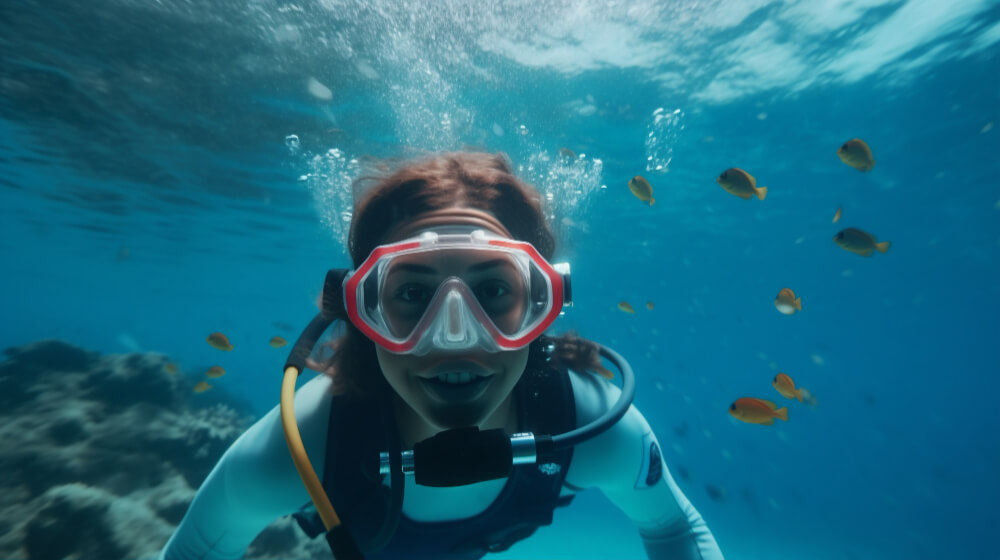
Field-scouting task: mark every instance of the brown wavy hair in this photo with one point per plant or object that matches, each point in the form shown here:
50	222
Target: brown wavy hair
474	180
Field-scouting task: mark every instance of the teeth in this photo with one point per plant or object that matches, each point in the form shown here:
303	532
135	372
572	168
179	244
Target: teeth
456	378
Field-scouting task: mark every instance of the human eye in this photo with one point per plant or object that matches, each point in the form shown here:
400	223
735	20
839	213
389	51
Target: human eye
412	293
492	291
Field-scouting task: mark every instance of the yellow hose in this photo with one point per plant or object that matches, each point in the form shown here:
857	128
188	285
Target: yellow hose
298	451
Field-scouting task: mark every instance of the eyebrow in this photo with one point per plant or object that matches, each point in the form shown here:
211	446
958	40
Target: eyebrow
424	269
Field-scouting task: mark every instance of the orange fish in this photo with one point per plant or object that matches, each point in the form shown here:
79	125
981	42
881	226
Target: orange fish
219	341
757	411
278	342
836	216
626	307
202	387
784	384
649	305
215	371
787	303
857	154
860	242
170	368
737	182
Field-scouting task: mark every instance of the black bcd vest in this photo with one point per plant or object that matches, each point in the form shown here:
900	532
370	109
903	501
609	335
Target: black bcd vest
357	434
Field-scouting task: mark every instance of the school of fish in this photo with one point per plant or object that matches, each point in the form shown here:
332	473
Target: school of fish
219	341
854	153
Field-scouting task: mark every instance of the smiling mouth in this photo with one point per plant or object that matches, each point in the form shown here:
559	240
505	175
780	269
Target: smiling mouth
456	387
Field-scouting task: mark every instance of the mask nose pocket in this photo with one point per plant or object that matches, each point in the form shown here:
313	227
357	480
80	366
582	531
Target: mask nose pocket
455	328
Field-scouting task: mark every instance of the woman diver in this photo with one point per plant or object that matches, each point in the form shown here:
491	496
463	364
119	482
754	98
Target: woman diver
443	353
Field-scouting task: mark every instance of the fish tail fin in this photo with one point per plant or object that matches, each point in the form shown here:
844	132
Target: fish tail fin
782	413
798	303
652	201
761	192
798	395
882	247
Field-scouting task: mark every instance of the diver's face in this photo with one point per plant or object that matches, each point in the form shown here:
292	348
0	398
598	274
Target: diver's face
454	388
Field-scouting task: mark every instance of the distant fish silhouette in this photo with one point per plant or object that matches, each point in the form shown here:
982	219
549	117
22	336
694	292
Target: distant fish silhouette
219	341
717	493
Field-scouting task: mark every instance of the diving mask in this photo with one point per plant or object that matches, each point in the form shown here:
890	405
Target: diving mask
455	288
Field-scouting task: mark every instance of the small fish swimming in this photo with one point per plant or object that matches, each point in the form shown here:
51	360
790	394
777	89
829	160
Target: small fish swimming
739	183
277	342
757	411
626	307
857	154
219	341
784	384
215	372
170	368
717	493
649	305
642	189
202	387
860	242
567	153
787	303
836	216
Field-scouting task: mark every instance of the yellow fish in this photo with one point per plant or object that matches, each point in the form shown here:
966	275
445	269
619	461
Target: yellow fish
626	307
757	411
642	189
649	305
215	371
857	154
836	216
277	342
784	384
219	341
202	387
737	182
860	242
170	368
787	303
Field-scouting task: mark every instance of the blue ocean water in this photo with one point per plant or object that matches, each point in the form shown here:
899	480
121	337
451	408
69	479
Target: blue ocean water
176	168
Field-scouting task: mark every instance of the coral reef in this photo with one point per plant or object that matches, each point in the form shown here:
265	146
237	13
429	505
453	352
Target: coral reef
103	454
